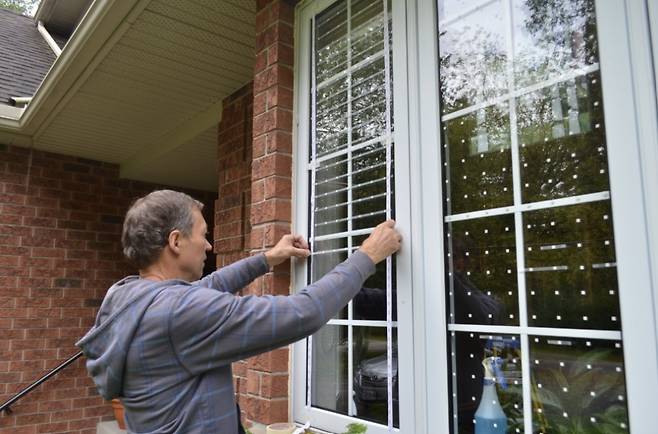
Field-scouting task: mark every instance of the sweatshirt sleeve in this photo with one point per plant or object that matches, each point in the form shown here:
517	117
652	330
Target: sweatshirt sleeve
236	276
209	329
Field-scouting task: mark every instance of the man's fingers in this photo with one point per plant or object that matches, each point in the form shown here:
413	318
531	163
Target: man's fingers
299	241
301	253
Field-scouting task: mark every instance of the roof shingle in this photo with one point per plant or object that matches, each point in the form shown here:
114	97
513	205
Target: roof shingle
25	57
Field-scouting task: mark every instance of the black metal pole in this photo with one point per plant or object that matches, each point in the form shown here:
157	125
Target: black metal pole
6	407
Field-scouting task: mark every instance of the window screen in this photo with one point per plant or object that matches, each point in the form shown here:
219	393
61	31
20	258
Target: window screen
352	361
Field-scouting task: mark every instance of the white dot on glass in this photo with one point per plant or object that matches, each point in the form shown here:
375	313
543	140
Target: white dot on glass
558	317
548	160
557	292
564	389
539	385
509	293
504	169
486	231
592	393
532	292
527	185
565	414
618	369
606	242
536	362
605	217
465	177
577	220
486	252
620	397
575	176
602	171
484	173
613	318
623	425
585	318
552	223
534	317
583	293
589	366
592	419
506	250
573	155
579	244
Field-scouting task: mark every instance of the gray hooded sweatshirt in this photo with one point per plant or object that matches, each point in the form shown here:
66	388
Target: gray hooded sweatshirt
165	348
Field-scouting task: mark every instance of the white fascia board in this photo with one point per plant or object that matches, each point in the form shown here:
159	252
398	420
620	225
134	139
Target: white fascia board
10	116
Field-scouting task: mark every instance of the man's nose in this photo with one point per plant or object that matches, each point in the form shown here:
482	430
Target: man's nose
208	246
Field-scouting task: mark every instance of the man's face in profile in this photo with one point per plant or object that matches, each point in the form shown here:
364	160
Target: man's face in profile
193	248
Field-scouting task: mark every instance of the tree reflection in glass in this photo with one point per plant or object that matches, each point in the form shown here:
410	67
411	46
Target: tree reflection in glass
571	274
476	148
482	271
577	386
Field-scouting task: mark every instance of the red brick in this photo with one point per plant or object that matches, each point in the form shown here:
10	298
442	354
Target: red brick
274	386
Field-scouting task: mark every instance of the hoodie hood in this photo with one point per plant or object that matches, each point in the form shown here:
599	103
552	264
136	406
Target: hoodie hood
106	345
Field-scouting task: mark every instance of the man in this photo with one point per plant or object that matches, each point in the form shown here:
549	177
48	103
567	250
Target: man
163	341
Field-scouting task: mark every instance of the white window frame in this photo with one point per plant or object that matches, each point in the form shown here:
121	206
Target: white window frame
629	65
302	413
626	109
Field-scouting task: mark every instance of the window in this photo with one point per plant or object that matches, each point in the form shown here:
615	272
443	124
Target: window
350	366
531	268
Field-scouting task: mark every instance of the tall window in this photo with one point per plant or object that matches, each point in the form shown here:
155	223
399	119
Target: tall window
531	277
351	363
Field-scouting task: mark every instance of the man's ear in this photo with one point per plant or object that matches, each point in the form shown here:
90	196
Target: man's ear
174	240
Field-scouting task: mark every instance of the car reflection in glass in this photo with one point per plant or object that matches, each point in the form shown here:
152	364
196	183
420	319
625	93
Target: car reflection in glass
370	386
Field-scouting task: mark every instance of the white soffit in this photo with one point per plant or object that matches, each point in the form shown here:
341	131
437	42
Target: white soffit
152	99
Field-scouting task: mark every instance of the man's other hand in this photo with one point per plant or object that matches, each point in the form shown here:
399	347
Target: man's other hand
382	242
288	246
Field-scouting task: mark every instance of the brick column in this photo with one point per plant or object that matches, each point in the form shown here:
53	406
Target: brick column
234	170
266	398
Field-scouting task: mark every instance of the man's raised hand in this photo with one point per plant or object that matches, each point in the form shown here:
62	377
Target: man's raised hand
287	247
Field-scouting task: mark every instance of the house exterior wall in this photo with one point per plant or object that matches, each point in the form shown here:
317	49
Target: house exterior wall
60	226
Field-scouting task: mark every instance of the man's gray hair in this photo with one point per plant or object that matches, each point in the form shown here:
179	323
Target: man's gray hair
151	219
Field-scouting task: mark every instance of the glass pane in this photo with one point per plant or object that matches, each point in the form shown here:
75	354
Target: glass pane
472	396
367	24
473	55
371	374
326	255
476	148
331	182
578	386
329	369
331	117
331	41
369	201
482	271
370	302
552	38
562	140
571	273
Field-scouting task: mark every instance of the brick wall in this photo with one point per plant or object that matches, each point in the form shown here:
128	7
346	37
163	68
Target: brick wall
267	374
59	252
